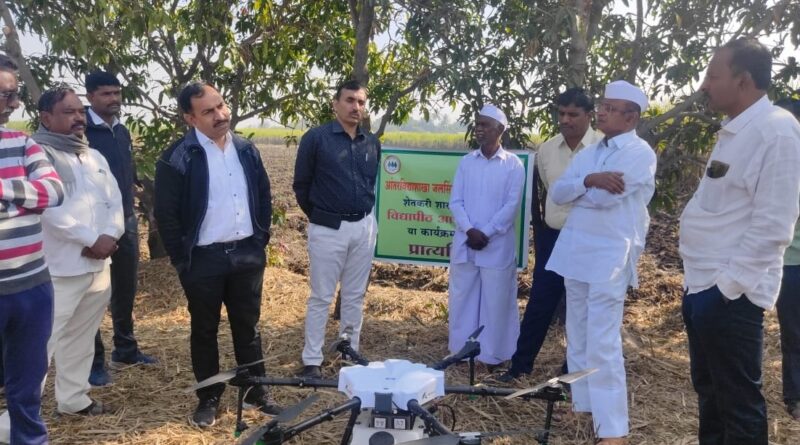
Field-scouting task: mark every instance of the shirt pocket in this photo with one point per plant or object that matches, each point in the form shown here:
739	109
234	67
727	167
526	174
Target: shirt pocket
367	158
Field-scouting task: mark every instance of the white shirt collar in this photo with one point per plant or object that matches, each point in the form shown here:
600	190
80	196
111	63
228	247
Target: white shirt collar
97	120
500	153
618	140
758	108
205	140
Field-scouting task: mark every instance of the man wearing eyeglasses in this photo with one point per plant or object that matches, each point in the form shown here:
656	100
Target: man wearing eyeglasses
28	185
609	185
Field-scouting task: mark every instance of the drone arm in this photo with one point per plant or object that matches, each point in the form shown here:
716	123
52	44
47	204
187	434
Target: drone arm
294	381
325	416
430	420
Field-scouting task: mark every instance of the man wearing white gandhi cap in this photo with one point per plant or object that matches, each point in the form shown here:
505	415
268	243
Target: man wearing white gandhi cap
609	185
485	198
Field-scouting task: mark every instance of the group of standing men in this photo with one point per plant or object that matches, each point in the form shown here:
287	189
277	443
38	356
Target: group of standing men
733	234
66	206
66	212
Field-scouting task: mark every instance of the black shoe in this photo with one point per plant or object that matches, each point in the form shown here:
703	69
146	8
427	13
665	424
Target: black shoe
205	415
259	397
793	408
493	368
311	372
508	376
95	408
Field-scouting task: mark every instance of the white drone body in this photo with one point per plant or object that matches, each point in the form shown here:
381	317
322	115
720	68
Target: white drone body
385	388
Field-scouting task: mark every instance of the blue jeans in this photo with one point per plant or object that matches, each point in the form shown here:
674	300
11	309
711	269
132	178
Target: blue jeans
547	291
725	348
26	320
789	319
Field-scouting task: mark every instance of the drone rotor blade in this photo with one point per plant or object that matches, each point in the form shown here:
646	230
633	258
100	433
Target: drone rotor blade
450	439
335	346
295	410
573	377
477	332
526	391
222	377
247	365
285	416
530	432
253	438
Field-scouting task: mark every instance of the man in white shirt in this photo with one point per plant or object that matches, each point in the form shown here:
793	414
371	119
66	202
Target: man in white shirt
575	110
609	185
485	198
733	233
78	238
214	209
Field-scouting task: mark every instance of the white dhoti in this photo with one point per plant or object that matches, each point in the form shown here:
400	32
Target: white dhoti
480	296
594	320
337	256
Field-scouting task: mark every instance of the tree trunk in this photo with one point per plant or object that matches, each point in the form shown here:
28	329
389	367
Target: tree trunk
146	204
363	18
14	51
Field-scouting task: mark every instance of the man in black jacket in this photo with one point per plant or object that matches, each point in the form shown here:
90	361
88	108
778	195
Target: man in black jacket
107	135
213	207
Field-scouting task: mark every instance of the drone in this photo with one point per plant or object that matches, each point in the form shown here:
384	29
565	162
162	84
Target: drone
389	401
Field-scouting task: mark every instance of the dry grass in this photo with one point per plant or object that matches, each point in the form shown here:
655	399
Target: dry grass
404	318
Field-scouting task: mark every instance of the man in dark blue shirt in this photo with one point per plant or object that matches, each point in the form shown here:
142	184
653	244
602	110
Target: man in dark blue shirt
107	135
334	182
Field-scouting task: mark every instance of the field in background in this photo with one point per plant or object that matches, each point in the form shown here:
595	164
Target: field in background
390	138
291	137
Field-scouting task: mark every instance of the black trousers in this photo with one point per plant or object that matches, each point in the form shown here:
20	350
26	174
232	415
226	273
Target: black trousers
725	349
547	291
219	274
124	274
789	319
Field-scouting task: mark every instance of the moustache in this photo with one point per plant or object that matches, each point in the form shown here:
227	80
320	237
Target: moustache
221	123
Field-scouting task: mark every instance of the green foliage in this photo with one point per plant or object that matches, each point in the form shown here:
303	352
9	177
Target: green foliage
280	60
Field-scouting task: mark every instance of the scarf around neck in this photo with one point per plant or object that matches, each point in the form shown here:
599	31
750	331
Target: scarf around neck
59	149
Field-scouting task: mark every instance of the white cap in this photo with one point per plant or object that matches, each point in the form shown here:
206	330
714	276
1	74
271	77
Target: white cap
495	113
621	89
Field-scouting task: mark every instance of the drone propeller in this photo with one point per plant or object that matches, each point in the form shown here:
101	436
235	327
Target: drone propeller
345	337
471	348
474	335
286	415
447	439
222	377
566	378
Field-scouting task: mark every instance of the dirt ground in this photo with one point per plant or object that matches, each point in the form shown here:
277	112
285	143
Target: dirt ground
405	317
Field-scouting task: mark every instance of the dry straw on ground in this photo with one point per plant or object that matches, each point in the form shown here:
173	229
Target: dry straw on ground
404	318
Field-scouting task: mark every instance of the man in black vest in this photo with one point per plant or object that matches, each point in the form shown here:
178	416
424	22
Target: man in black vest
107	135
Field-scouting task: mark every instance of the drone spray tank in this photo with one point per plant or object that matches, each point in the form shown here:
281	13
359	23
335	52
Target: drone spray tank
385	390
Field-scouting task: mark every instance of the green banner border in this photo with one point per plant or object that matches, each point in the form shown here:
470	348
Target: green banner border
524	218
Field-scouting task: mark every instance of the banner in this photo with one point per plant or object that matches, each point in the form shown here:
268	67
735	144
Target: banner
415	225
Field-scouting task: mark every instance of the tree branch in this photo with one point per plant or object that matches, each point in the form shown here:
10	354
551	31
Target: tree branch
14	51
424	77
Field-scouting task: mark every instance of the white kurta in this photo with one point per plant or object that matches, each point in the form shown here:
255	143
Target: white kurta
486	195
596	253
